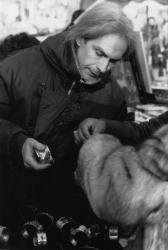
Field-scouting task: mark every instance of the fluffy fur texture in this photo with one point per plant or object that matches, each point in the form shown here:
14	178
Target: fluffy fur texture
124	184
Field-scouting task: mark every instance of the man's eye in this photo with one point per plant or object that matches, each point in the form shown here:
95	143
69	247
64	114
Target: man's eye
114	60
99	53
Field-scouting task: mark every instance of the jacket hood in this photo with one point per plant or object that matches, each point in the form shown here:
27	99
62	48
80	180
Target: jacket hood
60	54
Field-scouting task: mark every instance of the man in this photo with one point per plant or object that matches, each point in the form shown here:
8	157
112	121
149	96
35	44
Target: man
45	92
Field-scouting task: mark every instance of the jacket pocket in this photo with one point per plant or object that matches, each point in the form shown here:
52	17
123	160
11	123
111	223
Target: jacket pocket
51	105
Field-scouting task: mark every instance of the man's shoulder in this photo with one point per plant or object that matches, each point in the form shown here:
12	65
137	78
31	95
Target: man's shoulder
23	66
22	56
25	62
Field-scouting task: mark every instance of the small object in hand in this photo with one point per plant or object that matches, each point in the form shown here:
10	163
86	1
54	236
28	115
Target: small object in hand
44	156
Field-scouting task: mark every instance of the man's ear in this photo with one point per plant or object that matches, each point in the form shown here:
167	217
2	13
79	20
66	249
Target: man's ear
79	41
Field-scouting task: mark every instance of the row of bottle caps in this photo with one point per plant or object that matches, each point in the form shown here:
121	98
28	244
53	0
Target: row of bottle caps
66	230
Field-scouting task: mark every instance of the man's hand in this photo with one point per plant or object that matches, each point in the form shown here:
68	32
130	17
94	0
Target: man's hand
29	157
89	127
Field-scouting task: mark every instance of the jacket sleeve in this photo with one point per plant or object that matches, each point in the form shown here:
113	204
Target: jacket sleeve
11	135
133	133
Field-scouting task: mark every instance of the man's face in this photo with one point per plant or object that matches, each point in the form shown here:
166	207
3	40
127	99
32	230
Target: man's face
97	56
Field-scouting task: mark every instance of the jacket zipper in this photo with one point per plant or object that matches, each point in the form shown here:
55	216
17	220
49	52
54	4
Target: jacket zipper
70	89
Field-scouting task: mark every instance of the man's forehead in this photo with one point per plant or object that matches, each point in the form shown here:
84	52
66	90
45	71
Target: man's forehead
112	51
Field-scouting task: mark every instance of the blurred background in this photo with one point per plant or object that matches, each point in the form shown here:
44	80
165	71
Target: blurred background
37	17
42	17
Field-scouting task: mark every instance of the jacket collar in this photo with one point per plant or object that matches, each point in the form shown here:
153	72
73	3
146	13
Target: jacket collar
61	54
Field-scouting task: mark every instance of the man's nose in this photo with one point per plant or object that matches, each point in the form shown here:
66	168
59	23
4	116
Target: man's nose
104	66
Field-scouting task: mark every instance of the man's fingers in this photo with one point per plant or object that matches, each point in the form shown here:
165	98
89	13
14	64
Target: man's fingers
28	153
42	166
87	132
81	135
32	163
27	165
97	130
76	137
39	146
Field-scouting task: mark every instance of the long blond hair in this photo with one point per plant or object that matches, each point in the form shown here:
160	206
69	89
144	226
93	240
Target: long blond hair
102	19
